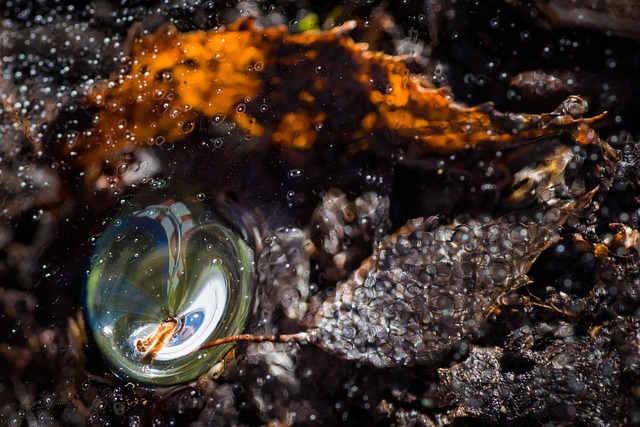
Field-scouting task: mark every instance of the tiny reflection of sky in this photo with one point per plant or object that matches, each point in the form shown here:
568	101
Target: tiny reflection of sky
200	318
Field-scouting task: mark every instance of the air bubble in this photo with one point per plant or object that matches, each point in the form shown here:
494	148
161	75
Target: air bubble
296	173
492	64
119	408
188	126
147	291
122	169
37	215
218	118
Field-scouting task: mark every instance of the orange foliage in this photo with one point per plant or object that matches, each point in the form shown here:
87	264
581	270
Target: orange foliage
309	81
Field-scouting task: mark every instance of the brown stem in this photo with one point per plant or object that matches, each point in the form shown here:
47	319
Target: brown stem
286	338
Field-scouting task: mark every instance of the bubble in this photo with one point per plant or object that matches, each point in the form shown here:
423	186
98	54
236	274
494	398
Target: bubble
296	173
37	214
469	78
218	118
122	169
218	143
159	270
188	126
492	64
119	408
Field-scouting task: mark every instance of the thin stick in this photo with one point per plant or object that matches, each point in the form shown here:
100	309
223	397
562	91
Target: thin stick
151	345
300	337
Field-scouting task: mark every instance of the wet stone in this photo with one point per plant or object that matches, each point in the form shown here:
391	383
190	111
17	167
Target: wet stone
532	379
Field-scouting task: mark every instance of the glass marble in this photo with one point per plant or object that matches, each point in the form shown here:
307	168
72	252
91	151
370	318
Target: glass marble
170	264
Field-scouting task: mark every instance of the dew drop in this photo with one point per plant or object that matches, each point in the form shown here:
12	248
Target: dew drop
296	173
133	275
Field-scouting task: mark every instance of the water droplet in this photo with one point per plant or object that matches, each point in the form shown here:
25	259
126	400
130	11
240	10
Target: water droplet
158	94
93	239
37	215
122	169
492	64
134	275
296	173
188	126
218	118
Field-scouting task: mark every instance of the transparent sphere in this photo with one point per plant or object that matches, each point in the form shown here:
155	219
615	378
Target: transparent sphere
164	280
